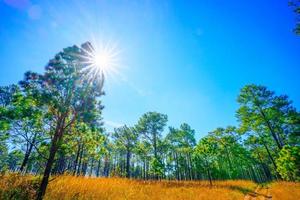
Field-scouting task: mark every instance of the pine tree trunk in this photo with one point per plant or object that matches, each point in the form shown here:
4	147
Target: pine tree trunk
91	168
209	174
28	152
26	158
98	167
76	160
144	169
271	129
128	155
53	149
80	159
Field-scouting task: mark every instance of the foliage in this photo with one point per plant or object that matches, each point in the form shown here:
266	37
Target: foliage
125	140
157	167
150	126
288	163
68	94
296	7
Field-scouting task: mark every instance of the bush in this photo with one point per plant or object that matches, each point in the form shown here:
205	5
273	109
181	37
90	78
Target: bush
288	163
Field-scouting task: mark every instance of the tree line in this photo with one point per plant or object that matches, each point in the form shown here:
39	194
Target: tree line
51	124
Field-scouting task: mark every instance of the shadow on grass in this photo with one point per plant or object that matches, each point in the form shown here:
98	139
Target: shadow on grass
241	189
174	184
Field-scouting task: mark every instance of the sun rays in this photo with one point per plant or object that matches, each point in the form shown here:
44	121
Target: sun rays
100	60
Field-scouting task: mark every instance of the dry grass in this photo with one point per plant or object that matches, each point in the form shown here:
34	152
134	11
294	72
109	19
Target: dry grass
68	187
285	191
14	186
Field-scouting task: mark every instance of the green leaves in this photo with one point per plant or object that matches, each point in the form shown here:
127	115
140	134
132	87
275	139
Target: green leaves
296	8
265	113
150	125
288	163
125	137
184	137
157	167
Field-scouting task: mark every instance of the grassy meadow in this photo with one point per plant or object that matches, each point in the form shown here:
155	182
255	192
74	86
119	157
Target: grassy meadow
66	187
285	190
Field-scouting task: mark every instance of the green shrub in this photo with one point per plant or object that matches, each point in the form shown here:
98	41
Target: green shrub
288	163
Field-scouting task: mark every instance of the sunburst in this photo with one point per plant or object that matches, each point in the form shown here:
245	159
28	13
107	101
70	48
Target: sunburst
99	60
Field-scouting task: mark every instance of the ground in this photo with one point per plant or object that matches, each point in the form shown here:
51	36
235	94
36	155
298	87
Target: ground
14	186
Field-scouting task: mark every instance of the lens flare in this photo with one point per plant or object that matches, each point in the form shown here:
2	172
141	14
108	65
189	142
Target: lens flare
100	60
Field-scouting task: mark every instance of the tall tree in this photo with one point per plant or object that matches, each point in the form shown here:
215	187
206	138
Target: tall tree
260	109
270	120
151	125
181	144
206	152
27	124
125	138
68	95
6	97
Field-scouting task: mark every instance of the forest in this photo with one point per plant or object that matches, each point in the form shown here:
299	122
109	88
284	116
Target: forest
54	120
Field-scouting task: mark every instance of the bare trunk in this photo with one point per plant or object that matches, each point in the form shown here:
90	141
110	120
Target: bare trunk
54	146
98	167
28	152
91	169
270	156
80	158
209	174
76	160
271	129
128	155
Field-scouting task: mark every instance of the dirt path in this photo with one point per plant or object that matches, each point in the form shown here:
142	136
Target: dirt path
260	193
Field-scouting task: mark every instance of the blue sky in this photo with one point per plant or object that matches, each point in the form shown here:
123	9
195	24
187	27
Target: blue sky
187	59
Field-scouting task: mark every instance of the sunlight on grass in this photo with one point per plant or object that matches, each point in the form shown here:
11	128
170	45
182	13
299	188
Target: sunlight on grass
68	187
14	186
285	191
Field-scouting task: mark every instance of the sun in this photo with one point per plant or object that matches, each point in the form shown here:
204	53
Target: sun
100	60
103	60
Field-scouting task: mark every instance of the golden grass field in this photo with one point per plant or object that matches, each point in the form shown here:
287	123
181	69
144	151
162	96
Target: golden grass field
285	191
69	187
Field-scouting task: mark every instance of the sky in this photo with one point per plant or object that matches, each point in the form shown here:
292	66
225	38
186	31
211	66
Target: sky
186	59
